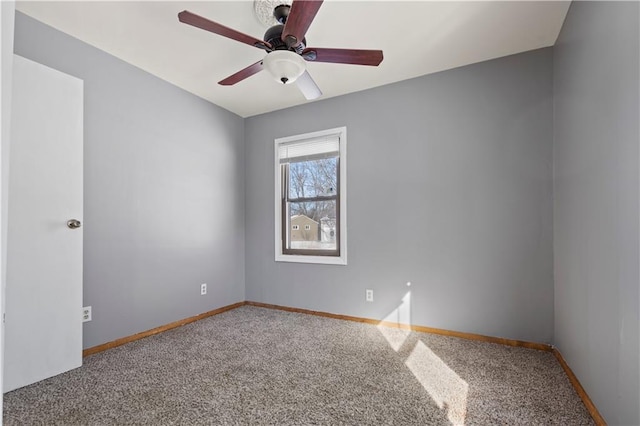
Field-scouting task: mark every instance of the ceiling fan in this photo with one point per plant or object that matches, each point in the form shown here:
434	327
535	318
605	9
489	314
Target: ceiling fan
286	47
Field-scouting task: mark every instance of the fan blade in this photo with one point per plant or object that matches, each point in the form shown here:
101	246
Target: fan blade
197	21
308	87
300	17
343	56
242	74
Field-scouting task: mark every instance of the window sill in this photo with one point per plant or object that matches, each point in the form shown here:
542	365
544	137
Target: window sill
326	260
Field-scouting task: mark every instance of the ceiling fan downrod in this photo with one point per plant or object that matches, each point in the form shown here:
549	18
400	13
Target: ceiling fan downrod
281	13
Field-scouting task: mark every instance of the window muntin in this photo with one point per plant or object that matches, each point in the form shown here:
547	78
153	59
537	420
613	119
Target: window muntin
310	184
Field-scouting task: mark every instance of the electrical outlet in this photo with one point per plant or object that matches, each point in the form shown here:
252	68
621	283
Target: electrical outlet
369	295
86	314
203	289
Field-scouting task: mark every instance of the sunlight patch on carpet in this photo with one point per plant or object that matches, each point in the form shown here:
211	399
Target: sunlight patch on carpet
444	386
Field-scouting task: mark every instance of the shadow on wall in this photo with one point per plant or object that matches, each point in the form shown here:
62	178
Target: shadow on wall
443	385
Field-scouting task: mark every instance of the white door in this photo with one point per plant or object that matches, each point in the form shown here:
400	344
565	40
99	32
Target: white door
43	328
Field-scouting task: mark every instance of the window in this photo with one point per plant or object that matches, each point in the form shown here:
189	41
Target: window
310	197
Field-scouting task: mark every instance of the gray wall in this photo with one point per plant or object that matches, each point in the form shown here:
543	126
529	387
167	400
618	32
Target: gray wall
7	13
449	187
164	191
596	193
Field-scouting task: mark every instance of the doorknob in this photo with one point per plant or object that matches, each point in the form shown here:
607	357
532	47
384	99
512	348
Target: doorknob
74	224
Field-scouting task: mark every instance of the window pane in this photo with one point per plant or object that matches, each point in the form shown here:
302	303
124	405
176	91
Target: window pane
320	219
313	178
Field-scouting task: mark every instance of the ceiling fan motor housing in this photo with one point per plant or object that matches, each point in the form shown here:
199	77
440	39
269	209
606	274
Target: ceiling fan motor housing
273	36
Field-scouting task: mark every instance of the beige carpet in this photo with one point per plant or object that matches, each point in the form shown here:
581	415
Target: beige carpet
260	366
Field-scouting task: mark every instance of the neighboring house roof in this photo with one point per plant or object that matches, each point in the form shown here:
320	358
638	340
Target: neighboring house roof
301	216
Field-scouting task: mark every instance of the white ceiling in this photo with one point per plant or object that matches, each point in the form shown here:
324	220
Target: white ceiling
417	37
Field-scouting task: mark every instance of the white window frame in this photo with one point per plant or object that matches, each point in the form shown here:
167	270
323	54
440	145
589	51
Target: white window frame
307	227
329	260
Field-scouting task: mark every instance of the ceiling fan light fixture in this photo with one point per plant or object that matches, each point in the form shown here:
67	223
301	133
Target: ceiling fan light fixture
285	66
